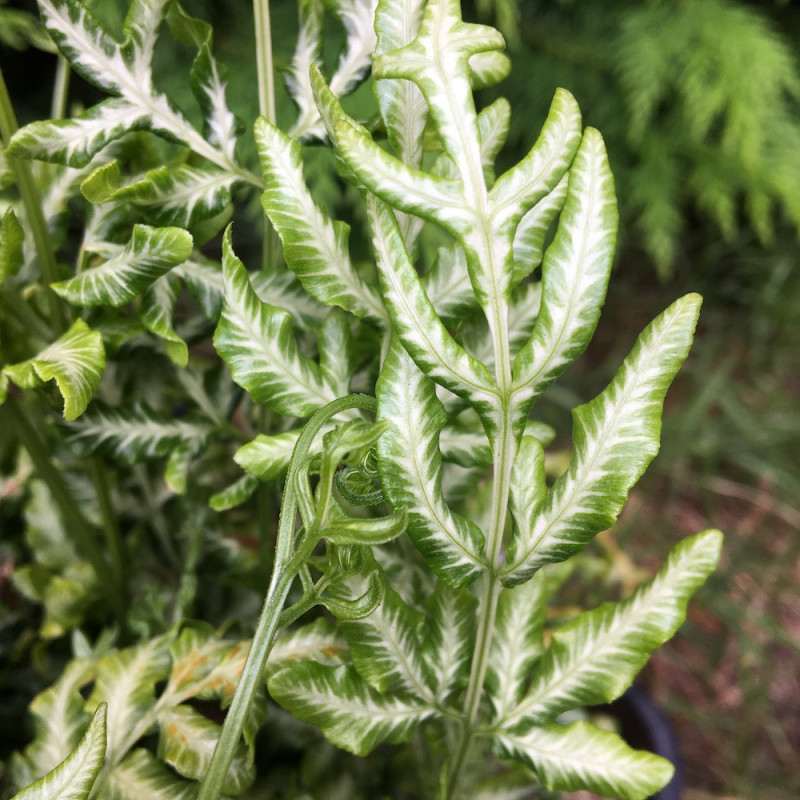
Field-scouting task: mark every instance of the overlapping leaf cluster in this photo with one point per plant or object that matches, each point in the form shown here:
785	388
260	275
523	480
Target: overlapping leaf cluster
108	702
440	633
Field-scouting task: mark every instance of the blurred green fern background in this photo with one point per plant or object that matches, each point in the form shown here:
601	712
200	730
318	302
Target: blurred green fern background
698	100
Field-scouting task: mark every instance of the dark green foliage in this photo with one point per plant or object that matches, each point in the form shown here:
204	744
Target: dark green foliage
697	99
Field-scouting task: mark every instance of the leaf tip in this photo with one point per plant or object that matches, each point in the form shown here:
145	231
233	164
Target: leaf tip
710	543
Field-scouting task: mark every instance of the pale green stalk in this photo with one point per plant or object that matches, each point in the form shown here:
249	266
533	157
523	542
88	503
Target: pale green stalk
33	210
265	498
288	563
503	452
58	106
266	107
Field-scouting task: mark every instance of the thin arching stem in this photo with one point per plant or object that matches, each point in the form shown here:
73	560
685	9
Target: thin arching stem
288	563
33	210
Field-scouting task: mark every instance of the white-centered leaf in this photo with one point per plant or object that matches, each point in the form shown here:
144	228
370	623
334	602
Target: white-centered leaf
180	195
528	486
493	122
615	436
448	286
203	278
532	230
437	61
411	190
465	444
149	254
59	721
582	756
410	468
258	345
206	667
358	19
315	247
210	88
74	777
75	142
488	69
236	493
125	682
449	639
318	641
158	304
124	69
336	356
517	642
187	742
574	274
385	645
415	320
281	288
134	434
349	712
402	106
76	361
594	658
526	183
523	311
306	52
141	774
267	456
203	666
140	31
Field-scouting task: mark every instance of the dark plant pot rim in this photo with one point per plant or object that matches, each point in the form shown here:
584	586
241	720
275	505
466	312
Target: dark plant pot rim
644	727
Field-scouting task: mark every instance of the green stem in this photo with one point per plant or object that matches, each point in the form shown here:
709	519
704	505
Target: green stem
33	210
266	75
505	450
187	587
16	305
58	107
76	522
97	471
266	108
265	504
288	563
503	447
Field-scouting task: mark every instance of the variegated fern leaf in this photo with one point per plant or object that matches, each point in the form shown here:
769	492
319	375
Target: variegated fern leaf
393	399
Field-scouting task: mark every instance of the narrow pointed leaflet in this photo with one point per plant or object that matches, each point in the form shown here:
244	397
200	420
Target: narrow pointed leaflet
257	342
615	436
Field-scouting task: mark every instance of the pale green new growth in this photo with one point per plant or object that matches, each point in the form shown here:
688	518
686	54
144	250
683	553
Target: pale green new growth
76	361
73	778
150	253
417	512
